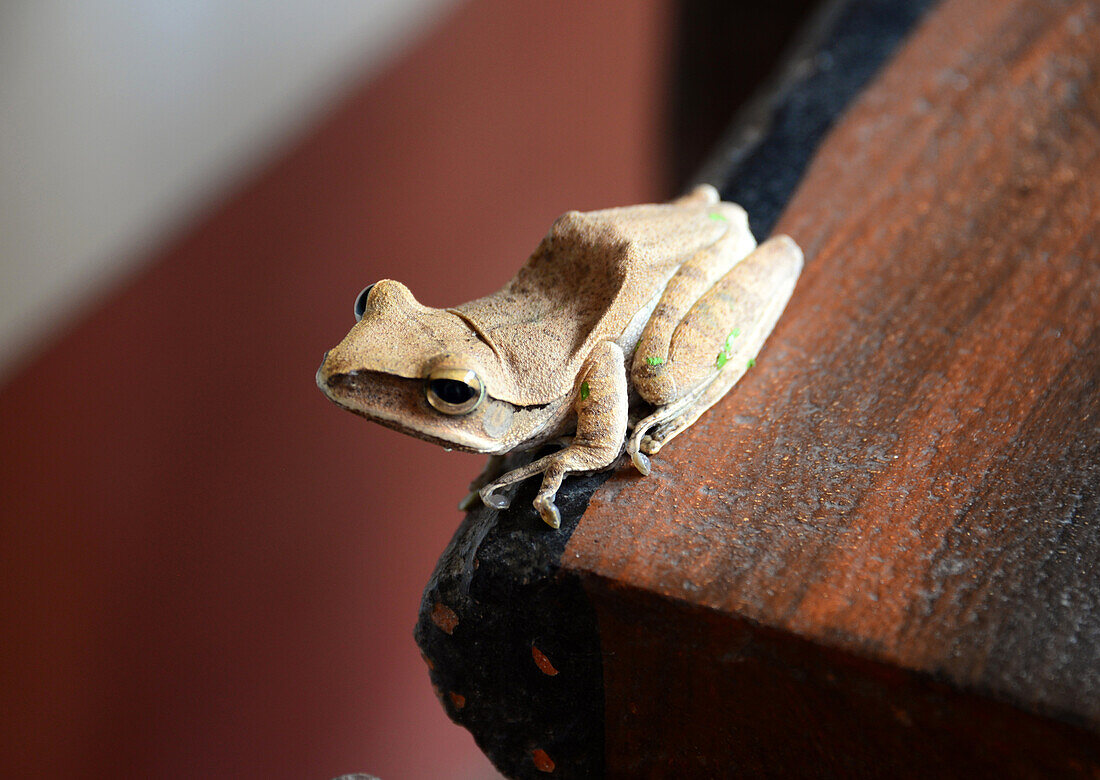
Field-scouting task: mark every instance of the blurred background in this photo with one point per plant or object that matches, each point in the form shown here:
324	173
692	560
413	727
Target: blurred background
208	569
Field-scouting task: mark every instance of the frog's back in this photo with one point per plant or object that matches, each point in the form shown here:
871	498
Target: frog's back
584	284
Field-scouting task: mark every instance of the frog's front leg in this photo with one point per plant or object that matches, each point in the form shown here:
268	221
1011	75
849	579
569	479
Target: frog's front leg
600	402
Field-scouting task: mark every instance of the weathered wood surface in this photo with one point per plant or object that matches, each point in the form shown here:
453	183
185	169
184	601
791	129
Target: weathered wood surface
881	552
878	556
498	601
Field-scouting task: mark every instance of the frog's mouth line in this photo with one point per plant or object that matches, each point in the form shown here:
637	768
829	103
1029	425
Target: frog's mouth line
411	431
388	401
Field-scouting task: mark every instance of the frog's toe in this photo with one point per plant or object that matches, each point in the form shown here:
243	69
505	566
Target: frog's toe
496	501
650	446
640	461
548	511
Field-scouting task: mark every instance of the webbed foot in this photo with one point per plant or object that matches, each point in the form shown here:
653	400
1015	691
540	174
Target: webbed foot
544	501
656	430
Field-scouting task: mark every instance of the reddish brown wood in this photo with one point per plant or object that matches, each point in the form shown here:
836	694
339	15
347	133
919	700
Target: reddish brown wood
891	528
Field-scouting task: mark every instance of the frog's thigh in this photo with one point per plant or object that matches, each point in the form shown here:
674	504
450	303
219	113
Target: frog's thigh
650	373
712	346
601	406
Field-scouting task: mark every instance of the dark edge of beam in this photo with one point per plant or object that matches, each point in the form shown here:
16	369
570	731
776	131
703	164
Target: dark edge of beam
500	578
497	594
765	690
773	139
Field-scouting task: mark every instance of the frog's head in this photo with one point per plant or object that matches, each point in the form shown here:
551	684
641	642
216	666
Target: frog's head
423	371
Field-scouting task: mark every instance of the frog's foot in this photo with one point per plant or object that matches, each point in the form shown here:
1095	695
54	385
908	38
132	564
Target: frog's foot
661	427
553	468
495	501
736	314
656	430
548	510
663	433
636	446
643	444
640	461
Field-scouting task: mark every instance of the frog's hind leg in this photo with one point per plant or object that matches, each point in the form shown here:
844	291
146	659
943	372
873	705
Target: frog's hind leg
651	373
716	342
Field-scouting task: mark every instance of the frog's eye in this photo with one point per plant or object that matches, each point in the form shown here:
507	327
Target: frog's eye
361	302
455	390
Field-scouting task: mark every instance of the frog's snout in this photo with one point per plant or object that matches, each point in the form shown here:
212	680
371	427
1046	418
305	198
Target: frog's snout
325	374
337	377
335	366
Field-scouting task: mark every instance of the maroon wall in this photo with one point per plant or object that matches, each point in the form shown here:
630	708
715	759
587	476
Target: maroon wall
210	571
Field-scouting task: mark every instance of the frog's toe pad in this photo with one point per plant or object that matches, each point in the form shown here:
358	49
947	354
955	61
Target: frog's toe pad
548	511
496	501
640	461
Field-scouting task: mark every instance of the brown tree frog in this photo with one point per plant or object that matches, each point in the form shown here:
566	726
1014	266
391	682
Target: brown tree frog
636	318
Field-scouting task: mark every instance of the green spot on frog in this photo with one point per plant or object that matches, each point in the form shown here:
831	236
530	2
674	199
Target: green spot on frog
718	217
752	362
585	391
724	354
655	361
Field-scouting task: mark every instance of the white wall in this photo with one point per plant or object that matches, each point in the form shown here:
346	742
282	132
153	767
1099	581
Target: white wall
120	118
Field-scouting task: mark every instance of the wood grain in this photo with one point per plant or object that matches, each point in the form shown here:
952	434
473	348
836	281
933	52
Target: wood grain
908	483
518	614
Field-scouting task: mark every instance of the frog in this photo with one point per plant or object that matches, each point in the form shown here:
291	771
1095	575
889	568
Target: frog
622	328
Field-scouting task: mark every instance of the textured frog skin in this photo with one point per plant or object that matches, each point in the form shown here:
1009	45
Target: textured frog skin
670	301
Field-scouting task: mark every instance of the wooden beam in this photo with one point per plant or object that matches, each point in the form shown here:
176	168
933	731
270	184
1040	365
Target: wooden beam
882	551
879	554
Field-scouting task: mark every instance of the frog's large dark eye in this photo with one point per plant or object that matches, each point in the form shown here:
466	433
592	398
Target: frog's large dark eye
454	390
361	302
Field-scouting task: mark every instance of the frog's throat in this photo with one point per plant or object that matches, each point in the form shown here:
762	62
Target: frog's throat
408	430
